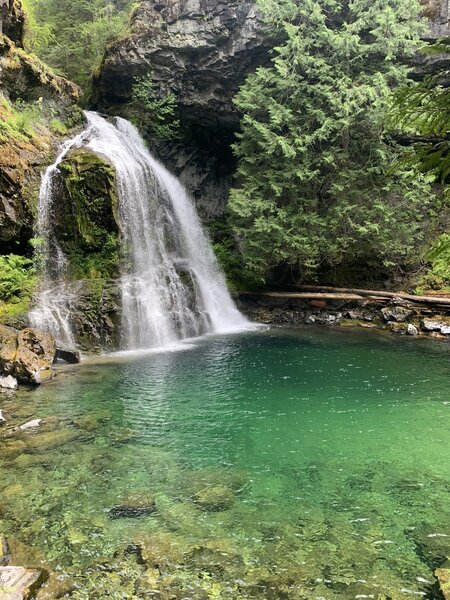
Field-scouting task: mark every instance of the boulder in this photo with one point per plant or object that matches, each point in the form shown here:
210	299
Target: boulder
137	504
437	325
215	498
412	329
8	349
68	355
8	383
35	356
27	355
18	583
395	327
399	314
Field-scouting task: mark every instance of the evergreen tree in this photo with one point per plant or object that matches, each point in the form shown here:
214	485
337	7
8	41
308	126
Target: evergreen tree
422	109
314	185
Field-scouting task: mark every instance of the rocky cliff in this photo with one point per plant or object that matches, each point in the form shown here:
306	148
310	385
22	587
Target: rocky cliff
200	51
34	102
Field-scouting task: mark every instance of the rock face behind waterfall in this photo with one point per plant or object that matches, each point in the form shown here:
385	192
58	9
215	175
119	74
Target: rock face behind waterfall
27	355
201	51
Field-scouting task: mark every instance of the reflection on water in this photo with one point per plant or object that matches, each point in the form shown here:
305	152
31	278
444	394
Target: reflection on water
283	465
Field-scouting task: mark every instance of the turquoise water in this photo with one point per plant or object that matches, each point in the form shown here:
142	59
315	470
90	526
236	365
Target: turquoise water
327	455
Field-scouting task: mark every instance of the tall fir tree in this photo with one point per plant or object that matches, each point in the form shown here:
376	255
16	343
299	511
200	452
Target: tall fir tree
314	183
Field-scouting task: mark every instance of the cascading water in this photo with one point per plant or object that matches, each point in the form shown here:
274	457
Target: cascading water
55	296
172	287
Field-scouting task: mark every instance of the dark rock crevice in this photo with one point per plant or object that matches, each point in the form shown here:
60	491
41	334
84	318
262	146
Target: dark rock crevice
200	51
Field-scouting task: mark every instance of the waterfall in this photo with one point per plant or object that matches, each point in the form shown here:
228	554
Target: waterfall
171	284
55	296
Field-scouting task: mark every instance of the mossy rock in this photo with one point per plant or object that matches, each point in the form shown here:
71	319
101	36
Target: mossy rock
87	215
215	498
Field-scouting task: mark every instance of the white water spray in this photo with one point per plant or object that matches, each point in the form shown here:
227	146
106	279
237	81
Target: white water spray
172	287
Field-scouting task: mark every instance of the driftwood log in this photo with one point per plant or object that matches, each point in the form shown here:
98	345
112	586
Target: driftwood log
330	293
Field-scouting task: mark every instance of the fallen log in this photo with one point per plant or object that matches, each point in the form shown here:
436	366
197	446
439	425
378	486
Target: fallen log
441	300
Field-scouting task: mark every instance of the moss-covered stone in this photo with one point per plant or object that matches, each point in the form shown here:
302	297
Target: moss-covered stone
86	219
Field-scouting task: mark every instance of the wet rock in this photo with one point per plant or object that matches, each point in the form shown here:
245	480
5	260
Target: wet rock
161	549
35	356
436	325
443	576
215	498
18	583
12	448
138	504
357	323
412	329
67	355
31	424
50	439
27	355
399	314
8	383
398	327
8	348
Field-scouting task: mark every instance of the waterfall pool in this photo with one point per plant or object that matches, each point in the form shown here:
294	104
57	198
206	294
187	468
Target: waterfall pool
279	464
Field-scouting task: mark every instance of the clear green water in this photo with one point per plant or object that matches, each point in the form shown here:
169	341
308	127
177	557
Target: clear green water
333	449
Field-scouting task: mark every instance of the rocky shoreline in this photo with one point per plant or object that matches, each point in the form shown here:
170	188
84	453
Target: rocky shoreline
403	314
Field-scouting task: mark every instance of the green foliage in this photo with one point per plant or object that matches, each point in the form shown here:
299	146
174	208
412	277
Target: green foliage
16	276
72	36
19	120
229	257
17	282
423	109
314	184
437	276
155	114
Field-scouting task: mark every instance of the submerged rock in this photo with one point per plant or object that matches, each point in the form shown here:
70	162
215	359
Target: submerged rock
50	439
215	498
138	504
31	424
27	355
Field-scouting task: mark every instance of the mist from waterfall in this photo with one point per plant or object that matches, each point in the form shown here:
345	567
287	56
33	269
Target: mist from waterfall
171	285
